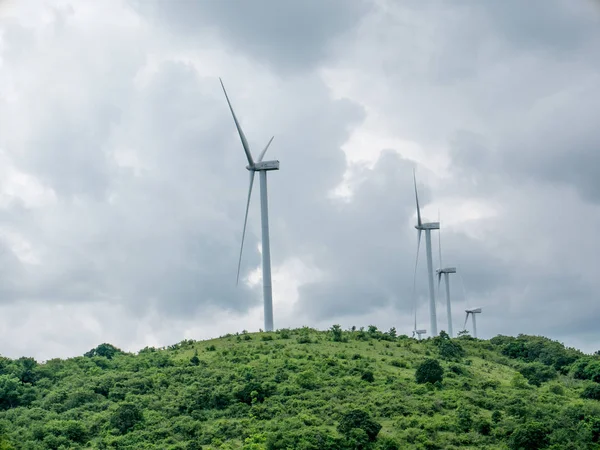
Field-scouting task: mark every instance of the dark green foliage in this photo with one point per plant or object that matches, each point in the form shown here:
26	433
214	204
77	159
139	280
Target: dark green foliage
496	416
241	392
368	376
484	427
358	419
587	369
125	417
105	350
537	373
336	333
591	391
529	436
429	371
537	349
386	443
464	419
26	371
447	348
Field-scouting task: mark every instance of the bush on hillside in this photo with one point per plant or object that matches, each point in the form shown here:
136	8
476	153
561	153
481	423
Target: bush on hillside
125	417
447	348
592	392
429	371
529	436
361	420
537	373
106	350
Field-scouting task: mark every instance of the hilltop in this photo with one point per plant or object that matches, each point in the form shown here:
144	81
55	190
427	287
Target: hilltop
308	390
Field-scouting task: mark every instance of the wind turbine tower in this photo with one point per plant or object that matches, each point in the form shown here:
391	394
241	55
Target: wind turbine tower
472	311
262	167
446	271
427	227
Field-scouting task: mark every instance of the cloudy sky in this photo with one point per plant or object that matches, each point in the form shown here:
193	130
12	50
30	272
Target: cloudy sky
123	181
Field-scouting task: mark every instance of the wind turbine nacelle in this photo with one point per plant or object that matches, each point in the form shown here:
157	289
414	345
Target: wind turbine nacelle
449	270
265	165
429	226
420	331
473	311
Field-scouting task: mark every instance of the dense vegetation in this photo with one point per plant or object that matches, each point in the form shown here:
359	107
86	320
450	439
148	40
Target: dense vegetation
308	390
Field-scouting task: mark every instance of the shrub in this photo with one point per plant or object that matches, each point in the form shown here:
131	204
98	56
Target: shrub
592	392
429	371
464	420
368	376
336	333
399	363
529	436
484	427
125	417
447	348
537	373
307	380
496	416
106	350
359	419
387	443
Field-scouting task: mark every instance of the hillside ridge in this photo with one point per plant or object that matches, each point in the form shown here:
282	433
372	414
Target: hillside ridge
307	389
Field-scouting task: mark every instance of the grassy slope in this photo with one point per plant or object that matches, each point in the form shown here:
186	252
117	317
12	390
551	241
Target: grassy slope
308	386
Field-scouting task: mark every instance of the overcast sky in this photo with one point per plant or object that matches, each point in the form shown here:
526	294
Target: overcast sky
123	181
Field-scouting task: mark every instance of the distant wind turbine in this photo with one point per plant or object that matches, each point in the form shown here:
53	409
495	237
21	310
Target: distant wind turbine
446	271
427	227
262	167
472	311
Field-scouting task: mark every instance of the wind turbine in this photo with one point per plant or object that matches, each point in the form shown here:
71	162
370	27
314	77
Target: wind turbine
427	227
262	167
446	271
472	311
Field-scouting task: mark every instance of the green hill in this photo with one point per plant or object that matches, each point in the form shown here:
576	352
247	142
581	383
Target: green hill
304	389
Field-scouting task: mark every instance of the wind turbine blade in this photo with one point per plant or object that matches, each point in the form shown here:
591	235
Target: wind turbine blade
417	198
262	155
245	221
465	324
239	128
415	277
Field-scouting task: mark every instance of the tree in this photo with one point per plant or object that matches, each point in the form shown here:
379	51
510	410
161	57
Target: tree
358	419
27	370
106	350
125	417
447	348
591	391
336	332
429	371
10	391
529	436
368	376
537	373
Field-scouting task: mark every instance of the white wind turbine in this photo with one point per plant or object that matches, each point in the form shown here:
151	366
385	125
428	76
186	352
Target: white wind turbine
472	311
427	227
446	271
262	167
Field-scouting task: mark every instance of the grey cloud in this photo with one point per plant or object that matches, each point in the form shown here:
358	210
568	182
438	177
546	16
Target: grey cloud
163	237
287	36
